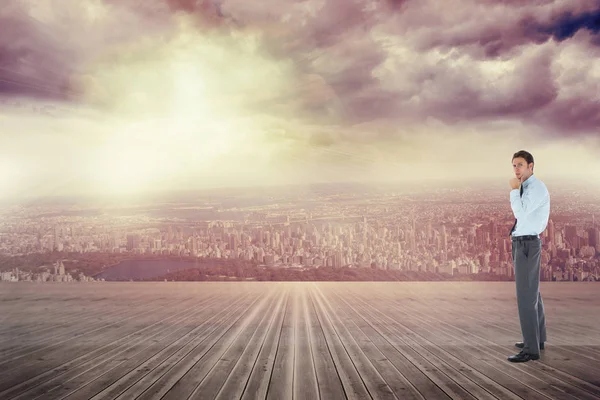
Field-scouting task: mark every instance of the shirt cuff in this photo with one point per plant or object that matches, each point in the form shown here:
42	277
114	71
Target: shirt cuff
515	194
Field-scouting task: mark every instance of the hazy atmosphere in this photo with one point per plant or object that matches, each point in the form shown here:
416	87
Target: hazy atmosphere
121	97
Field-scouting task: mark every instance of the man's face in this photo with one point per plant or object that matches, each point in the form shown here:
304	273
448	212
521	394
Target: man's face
522	170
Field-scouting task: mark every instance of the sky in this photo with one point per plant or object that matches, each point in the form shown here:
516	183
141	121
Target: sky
117	97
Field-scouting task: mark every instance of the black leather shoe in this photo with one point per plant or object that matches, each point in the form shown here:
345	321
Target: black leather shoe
521	345
523	357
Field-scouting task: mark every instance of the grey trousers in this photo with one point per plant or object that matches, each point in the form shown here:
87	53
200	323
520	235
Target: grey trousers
526	259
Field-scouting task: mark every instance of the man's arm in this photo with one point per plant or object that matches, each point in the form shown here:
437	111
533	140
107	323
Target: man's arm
531	200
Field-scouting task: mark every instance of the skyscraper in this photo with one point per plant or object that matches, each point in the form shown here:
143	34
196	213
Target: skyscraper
570	233
444	239
593	237
133	241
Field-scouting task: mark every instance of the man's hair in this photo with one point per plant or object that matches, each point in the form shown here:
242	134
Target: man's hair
523	154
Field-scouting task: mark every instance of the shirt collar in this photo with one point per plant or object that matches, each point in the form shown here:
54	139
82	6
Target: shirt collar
529	181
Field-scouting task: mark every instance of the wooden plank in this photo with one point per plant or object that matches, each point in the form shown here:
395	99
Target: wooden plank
260	377
566	324
425	320
408	381
53	356
178	379
281	382
583	360
435	372
370	375
73	326
164	368
407	341
253	368
353	384
328	379
412	326
37	305
305	378
90	377
155	365
558	364
43	321
70	327
257	340
585	346
211	384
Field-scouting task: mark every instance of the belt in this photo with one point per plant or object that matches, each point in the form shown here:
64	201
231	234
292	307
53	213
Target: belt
525	238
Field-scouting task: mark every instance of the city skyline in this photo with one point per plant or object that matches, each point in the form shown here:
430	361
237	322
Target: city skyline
118	99
438	234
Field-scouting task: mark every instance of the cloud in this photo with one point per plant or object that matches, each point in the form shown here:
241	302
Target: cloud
307	89
353	61
568	23
491	28
43	48
30	60
401	59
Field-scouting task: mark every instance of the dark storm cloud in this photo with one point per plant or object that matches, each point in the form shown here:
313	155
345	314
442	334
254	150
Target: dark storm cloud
567	24
571	116
43	49
460	91
31	60
334	20
338	41
460	94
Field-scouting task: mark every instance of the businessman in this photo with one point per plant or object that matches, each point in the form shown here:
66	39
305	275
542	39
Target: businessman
530	203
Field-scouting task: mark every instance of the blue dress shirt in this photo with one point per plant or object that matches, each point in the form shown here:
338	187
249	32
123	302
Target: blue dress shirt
532	210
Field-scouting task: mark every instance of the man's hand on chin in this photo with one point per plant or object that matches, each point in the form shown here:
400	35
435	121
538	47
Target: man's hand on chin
515	183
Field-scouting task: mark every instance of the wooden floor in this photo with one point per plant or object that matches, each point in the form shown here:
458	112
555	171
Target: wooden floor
292	340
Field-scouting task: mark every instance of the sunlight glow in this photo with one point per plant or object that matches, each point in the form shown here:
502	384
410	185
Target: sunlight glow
177	107
8	178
